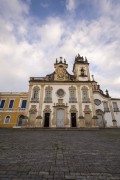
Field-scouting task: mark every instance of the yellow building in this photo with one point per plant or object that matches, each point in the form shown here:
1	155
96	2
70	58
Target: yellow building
12	108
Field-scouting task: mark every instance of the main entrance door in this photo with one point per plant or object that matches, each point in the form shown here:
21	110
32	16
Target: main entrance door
100	120
73	119
60	118
47	119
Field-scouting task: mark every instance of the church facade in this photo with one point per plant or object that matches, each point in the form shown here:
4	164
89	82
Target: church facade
61	100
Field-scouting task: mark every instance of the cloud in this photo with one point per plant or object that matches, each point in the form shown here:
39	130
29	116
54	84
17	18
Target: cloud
29	47
71	5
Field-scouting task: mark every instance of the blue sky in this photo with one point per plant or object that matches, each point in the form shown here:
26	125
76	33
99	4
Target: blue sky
33	33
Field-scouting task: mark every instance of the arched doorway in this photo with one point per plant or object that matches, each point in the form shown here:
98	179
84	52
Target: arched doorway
20	120
60	118
100	116
100	120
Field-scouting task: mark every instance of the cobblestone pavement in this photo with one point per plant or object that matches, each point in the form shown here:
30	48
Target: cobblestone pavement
50	154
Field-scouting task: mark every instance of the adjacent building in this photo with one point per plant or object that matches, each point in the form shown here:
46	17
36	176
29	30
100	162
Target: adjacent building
61	100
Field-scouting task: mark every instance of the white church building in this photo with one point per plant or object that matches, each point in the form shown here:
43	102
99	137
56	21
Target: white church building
62	100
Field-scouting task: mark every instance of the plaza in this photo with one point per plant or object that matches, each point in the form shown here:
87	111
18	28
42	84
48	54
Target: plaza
59	154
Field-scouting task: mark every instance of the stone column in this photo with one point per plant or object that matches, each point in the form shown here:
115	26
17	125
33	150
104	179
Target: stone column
80	118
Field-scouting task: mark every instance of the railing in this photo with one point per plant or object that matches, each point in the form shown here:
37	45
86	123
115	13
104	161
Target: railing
86	100
116	109
106	110
34	100
37	78
72	100
48	100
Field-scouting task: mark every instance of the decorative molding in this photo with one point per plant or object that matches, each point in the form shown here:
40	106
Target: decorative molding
84	88
49	88
36	88
33	109
47	109
73	108
72	88
87	109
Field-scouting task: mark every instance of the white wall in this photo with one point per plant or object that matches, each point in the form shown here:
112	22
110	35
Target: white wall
107	115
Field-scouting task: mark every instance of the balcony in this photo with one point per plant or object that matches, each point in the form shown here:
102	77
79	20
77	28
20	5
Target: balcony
72	100
106	110
86	100
34	100
116	109
48	100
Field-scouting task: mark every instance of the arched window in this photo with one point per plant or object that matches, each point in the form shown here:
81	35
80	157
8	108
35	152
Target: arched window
105	105
72	93
48	94
7	120
35	94
85	95
20	120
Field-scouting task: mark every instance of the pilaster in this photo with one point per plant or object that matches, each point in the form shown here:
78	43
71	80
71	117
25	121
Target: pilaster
41	101
112	114
28	101
94	118
81	121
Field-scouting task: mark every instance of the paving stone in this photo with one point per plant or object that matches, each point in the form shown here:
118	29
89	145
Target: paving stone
59	155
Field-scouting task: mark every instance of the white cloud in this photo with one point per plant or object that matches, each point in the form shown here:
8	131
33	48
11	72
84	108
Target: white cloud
30	48
71	5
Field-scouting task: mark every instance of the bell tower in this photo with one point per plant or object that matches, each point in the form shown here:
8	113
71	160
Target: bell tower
81	68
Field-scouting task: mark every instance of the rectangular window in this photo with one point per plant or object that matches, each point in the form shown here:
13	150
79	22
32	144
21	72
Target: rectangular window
106	108
115	107
48	98
48	94
2	104
72	98
11	104
85	96
72	94
23	104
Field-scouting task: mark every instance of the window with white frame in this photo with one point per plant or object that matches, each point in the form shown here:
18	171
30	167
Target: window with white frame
11	104
7	120
106	108
85	95
23	104
115	107
2	103
35	94
48	94
72	93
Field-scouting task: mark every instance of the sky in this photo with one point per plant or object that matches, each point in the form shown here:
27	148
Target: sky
33	33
